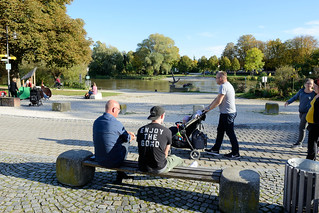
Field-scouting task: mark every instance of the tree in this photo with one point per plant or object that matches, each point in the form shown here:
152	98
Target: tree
107	60
157	54
212	63
299	49
230	51
274	54
202	64
45	34
185	64
245	43
225	64
284	79
235	66
254	60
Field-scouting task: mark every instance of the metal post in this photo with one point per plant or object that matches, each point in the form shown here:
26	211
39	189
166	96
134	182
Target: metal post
8	60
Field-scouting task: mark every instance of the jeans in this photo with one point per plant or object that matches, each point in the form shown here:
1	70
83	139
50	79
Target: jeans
302	127
226	124
312	141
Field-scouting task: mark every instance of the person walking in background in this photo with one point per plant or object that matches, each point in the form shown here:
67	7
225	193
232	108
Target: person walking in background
226	102
14	88
313	124
111	140
305	95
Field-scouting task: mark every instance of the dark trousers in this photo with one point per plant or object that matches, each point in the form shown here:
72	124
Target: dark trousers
312	141
226	124
14	94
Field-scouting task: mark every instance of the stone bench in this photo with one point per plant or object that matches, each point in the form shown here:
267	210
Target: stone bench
239	188
272	108
9	101
97	96
61	107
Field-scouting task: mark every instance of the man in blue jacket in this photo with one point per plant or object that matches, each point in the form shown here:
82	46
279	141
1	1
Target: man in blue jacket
111	140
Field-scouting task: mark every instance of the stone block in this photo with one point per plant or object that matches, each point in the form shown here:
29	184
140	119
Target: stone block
69	169
97	96
9	101
123	108
272	108
198	107
239	190
61	107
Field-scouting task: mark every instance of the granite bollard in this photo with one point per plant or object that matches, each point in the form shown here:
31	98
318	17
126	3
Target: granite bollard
239	190
272	108
69	169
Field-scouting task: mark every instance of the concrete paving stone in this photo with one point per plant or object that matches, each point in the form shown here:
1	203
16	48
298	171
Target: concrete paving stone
28	164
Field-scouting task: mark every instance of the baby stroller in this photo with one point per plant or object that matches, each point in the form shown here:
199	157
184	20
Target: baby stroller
35	96
188	135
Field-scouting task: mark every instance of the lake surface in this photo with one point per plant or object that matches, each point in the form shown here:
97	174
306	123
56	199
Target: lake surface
204	84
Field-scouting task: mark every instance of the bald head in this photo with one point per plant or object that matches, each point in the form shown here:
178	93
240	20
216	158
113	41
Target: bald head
112	107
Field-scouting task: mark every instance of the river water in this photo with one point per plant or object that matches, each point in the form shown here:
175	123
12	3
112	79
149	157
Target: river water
203	84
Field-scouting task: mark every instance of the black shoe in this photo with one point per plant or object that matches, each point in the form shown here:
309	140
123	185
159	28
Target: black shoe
232	156
296	145
212	152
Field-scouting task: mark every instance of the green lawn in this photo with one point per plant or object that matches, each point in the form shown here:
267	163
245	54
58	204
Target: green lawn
78	92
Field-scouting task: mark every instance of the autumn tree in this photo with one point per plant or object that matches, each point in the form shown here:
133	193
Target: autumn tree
46	34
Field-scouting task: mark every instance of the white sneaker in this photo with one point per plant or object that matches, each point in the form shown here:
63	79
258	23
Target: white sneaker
194	164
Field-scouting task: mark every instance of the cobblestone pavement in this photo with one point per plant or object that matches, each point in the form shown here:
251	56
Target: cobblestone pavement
30	146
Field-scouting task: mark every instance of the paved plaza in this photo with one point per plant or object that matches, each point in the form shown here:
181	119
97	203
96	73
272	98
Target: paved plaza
30	146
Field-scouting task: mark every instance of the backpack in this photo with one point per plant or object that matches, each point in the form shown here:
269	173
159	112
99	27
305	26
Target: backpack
199	139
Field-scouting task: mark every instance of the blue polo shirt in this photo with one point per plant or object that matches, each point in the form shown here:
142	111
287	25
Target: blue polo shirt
108	136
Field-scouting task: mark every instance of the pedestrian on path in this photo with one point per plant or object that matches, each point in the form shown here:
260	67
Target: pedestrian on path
226	102
313	124
111	140
305	96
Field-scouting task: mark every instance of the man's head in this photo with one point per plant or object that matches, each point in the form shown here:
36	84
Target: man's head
112	107
221	77
157	114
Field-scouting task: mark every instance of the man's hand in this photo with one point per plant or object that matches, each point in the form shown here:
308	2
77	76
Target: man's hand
133	137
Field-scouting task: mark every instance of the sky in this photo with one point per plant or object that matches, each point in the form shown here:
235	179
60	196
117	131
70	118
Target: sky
198	28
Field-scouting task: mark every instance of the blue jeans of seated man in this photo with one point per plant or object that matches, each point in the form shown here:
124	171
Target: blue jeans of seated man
226	124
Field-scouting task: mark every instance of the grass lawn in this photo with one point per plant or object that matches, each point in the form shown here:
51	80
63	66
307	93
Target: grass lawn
67	92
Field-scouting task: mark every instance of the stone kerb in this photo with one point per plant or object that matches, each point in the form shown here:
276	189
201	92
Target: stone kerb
239	190
9	101
272	108
61	107
97	96
69	169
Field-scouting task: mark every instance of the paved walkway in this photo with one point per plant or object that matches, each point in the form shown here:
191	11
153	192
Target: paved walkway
30	146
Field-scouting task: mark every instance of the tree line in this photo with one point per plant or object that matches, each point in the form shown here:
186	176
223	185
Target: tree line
158	55
58	45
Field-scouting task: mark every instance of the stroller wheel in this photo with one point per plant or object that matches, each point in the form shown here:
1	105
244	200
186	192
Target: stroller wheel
195	155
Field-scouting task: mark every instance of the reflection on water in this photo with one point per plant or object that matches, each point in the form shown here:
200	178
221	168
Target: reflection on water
204	84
